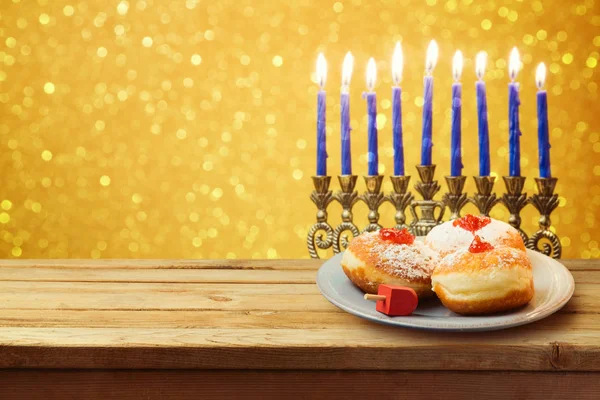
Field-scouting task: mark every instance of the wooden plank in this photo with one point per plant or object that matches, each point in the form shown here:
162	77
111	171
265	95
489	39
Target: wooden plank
186	319
586	276
157	296
369	335
307	276
581	264
180	319
331	385
372	347
178	296
300	264
585	299
127	275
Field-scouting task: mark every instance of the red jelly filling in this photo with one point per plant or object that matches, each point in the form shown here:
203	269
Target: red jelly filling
472	223
479	246
397	236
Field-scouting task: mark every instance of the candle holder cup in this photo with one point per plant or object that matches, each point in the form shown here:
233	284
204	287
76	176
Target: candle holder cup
455	199
347	197
427	188
373	198
322	236
484	199
400	198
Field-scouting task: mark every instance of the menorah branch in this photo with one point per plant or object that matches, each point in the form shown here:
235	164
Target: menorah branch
373	198
515	200
455	199
545	201
321	196
400	198
484	199
347	197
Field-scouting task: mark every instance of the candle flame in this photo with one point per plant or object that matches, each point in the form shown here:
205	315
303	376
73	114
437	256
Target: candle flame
397	64
457	65
540	76
480	63
347	69
432	56
321	70
514	63
371	74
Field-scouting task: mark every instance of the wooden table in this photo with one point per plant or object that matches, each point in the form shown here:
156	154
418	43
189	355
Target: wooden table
151	329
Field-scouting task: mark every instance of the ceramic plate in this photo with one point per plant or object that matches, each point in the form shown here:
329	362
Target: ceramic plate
553	283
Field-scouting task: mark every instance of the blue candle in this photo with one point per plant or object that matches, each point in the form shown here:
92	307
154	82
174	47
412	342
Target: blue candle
514	130
321	138
397	131
397	112
482	116
542	115
426	140
372	155
456	133
345	115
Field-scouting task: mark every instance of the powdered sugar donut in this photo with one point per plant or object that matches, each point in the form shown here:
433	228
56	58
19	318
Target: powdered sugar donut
484	279
458	234
390	257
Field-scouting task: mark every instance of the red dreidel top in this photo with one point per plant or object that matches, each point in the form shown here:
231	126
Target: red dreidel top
394	300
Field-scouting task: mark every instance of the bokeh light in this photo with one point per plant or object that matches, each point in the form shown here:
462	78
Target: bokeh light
148	128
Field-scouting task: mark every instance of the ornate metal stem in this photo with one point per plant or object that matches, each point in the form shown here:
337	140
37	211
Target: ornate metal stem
484	199
321	196
544	240
455	199
373	198
515	200
400	198
347	197
427	188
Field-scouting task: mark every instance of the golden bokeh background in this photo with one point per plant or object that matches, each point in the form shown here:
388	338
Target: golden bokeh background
186	128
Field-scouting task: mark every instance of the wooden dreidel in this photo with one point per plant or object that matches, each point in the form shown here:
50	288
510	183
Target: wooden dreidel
394	300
